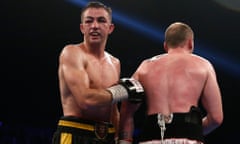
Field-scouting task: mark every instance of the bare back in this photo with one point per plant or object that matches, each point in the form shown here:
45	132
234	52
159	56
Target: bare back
173	82
81	74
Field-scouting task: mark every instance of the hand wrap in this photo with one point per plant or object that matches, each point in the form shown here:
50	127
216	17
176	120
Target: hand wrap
127	88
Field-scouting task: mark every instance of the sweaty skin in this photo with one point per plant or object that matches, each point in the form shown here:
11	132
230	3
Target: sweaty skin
175	81
81	77
86	70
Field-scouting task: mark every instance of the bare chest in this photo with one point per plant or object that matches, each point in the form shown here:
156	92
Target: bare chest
102	74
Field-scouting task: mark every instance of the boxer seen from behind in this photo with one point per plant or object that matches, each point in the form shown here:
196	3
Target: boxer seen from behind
177	84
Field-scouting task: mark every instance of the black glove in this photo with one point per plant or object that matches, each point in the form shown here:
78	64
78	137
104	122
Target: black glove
127	88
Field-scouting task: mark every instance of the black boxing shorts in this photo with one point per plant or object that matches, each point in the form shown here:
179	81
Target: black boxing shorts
183	125
72	130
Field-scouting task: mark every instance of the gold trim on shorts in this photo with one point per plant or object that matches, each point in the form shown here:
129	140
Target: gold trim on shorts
81	126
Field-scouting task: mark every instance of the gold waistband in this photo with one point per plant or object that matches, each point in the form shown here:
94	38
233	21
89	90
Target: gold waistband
82	126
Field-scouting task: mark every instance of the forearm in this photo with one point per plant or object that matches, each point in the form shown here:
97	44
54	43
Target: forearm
115	117
126	129
125	137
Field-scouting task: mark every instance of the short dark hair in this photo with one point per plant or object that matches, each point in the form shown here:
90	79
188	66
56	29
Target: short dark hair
97	4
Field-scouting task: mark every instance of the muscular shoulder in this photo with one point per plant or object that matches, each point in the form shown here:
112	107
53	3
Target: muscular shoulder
157	57
152	60
71	52
113	59
202	60
149	63
204	64
71	49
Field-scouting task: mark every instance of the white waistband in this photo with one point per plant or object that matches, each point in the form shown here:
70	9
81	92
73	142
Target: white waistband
172	141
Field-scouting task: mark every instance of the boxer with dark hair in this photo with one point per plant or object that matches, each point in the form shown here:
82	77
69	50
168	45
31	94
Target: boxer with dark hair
89	83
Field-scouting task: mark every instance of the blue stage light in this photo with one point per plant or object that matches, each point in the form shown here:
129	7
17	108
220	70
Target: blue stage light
222	61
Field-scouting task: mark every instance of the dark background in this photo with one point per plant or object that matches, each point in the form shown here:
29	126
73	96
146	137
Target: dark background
33	32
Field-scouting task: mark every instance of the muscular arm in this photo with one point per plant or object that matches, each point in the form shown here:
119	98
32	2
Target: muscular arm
72	66
115	117
127	111
212	103
126	127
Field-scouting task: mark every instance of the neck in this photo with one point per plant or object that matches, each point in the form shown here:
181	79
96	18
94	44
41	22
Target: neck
179	50
95	49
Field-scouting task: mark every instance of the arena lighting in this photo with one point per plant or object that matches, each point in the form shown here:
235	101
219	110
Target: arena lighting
129	22
233	5
224	62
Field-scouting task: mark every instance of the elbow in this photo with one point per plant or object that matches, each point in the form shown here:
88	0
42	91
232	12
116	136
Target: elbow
211	123
219	120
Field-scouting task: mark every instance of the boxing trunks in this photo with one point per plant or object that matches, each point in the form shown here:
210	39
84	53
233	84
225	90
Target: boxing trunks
72	130
177	128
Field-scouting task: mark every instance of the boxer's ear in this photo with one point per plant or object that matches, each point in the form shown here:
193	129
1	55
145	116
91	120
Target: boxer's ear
190	44
111	28
81	28
165	46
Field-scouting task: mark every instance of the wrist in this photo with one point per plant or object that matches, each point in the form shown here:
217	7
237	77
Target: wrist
118	93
